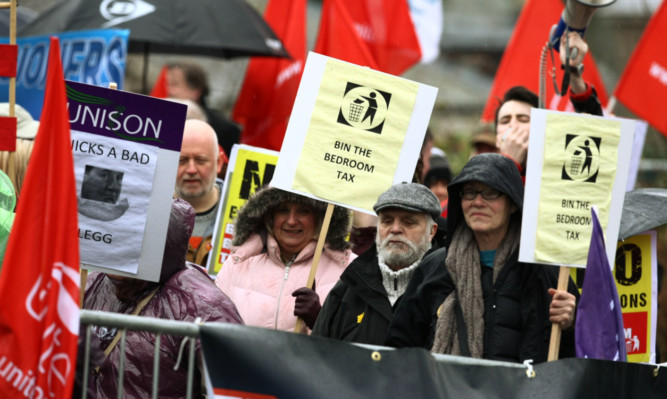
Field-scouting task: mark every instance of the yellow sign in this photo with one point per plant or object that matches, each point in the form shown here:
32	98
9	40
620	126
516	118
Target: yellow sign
355	134
635	271
579	170
253	168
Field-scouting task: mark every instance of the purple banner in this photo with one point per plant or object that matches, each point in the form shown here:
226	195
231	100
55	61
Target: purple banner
126	116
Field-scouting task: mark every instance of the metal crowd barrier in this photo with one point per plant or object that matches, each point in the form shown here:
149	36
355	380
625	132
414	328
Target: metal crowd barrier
139	323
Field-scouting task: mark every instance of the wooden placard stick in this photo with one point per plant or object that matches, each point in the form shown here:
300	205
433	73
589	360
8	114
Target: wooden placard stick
554	343
11	166
316	258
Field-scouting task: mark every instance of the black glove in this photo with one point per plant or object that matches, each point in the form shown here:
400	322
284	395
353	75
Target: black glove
307	305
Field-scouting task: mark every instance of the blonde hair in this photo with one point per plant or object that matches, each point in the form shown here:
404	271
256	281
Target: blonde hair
21	157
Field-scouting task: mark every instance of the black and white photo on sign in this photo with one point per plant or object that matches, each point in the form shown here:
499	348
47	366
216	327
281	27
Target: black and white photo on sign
100	194
114	180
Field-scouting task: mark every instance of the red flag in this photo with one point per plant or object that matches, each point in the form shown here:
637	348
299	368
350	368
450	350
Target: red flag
7	133
643	85
374	33
8	56
160	86
265	102
39	284
520	65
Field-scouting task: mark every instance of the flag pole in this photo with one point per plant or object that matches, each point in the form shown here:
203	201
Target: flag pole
11	166
316	258
610	105
554	344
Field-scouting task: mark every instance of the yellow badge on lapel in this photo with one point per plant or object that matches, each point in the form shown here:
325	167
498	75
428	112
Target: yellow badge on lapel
360	318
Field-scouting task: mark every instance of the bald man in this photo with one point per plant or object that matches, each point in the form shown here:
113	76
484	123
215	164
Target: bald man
197	182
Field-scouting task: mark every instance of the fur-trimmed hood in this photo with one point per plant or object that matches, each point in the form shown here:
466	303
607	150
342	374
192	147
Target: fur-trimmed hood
250	218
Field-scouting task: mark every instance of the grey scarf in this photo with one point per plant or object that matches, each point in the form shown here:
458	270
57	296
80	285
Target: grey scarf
463	265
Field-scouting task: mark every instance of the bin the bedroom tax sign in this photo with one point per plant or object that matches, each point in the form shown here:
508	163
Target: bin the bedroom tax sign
353	132
574	162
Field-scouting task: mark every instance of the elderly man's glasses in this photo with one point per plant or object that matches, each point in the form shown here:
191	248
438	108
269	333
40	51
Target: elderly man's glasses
487	194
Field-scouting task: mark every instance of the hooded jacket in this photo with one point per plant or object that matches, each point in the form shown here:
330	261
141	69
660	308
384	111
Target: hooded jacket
516	306
254	276
184	293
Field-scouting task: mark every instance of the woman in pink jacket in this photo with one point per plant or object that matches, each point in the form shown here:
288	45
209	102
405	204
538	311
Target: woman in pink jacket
274	242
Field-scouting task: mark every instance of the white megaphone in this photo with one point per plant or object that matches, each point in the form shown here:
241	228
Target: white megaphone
576	17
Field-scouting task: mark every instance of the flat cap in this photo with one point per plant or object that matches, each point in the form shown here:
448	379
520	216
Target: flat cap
410	197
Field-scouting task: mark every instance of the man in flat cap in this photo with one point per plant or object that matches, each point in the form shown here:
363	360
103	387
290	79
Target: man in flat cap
361	305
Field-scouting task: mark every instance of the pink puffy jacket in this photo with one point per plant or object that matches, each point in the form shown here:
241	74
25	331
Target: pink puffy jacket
261	285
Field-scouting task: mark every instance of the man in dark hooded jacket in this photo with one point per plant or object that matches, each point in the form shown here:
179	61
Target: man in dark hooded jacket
361	305
470	300
184	293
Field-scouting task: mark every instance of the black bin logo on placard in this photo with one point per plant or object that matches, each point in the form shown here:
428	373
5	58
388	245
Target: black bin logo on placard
364	108
582	158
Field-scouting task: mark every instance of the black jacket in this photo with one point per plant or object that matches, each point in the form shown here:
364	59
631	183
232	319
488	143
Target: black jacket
590	105
516	307
357	308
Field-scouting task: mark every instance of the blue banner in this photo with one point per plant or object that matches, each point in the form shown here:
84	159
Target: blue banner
95	57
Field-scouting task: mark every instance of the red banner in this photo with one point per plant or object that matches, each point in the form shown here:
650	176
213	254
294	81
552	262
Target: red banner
643	85
265	102
520	65
39	284
374	33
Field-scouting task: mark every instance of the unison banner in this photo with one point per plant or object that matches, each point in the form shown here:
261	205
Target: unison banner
126	149
251	362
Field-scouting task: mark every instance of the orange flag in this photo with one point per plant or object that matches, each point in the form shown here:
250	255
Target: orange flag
265	101
374	33
39	283
520	65
643	85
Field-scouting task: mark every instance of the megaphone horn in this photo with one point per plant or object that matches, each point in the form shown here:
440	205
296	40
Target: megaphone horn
576	17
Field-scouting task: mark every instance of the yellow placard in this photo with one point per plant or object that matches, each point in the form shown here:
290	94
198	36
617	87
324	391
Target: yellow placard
634	273
579	170
634	280
252	170
355	135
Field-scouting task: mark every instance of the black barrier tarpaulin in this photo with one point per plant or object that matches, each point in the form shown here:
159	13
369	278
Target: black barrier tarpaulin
251	362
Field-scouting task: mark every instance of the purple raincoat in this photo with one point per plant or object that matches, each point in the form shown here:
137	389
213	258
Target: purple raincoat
185	293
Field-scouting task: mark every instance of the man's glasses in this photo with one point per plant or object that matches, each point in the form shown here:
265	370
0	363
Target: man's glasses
488	194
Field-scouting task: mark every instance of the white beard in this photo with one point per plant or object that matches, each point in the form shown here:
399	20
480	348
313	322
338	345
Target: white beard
395	255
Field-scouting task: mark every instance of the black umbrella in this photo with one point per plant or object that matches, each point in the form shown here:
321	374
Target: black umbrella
24	16
217	28
643	209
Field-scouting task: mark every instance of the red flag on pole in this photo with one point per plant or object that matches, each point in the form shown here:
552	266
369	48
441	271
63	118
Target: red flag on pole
520	65
643	85
265	102
374	33
8	56
159	89
39	284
